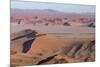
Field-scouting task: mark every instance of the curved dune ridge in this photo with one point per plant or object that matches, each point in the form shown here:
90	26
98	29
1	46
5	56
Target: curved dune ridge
40	48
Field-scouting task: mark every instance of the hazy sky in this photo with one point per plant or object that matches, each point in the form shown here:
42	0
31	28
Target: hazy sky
55	6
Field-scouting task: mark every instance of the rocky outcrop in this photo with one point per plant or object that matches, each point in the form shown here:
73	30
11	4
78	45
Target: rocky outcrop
66	24
91	25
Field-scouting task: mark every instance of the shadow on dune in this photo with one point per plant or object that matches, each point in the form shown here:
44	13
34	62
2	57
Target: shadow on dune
27	45
46	60
25	33
30	35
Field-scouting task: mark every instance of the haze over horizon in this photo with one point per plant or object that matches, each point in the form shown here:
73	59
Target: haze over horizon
76	8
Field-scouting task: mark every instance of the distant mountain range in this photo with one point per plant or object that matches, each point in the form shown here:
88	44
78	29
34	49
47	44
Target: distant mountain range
48	11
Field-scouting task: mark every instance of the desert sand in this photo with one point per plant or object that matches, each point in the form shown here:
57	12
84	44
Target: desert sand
51	37
48	49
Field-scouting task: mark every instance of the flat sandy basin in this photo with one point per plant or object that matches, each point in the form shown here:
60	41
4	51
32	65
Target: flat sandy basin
63	31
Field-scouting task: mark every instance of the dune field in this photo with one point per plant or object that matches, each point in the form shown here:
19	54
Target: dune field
50	46
51	33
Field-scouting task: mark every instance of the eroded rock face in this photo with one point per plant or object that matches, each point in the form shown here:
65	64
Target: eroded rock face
44	49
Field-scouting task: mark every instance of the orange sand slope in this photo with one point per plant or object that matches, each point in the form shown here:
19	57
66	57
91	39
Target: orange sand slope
45	49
